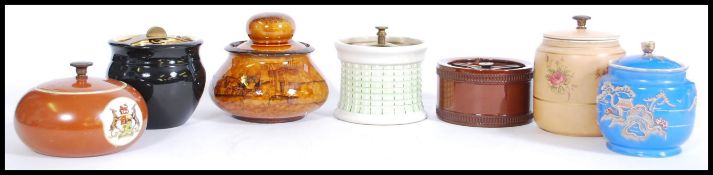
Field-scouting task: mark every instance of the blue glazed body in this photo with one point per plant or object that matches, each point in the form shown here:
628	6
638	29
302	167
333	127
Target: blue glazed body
643	113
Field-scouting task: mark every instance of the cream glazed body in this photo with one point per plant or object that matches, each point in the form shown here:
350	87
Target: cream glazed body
380	85
568	66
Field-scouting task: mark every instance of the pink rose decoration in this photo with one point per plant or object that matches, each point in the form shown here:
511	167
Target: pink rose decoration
556	78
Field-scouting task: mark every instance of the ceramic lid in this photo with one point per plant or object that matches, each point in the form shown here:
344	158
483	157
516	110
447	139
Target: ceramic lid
270	33
81	84
154	36
581	33
485	69
381	50
478	65
381	40
648	62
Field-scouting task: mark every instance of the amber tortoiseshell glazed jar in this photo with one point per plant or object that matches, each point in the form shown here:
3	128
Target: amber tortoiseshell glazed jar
484	92
568	66
81	116
270	78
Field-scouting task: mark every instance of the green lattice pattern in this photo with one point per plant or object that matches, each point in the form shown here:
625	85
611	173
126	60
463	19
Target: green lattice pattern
381	89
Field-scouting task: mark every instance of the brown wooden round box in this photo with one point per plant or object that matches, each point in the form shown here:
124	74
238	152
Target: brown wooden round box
485	92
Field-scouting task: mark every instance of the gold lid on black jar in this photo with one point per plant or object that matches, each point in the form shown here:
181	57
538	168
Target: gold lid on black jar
154	36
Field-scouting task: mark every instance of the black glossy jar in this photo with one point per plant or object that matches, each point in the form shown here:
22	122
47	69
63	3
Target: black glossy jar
166	70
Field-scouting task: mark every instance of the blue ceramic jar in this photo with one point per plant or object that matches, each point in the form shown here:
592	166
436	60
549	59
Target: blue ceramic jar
646	105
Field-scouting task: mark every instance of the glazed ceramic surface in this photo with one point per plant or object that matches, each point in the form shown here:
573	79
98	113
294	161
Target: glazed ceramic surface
269	79
165	69
380	80
81	116
568	66
646	105
484	92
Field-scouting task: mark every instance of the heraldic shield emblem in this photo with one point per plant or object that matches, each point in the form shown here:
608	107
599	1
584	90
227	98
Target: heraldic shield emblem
122	121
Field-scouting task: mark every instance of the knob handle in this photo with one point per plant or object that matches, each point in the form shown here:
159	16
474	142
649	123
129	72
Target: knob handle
381	42
81	67
271	28
156	33
648	47
581	21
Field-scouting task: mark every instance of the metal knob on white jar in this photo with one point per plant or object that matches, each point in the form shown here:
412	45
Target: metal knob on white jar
380	79
568	65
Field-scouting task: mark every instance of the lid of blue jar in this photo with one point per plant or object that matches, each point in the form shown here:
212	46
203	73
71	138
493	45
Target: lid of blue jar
648	62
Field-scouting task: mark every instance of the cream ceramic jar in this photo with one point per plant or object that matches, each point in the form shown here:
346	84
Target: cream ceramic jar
568	66
381	80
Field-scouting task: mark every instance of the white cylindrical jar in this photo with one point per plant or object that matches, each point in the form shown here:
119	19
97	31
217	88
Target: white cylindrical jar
380	80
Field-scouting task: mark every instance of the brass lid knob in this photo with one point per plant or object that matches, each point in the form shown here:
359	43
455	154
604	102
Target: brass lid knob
581	21
154	36
156	33
381	42
648	47
81	67
271	28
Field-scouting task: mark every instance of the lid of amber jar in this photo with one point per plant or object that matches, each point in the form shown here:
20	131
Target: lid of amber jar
581	33
81	84
270	33
485	70
155	36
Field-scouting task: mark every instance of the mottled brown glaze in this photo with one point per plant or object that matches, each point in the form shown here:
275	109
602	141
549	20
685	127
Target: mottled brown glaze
484	97
271	28
269	79
269	88
64	117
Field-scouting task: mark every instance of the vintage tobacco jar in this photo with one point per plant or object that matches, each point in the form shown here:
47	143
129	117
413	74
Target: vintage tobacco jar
568	66
646	106
269	79
81	116
484	92
381	79
165	69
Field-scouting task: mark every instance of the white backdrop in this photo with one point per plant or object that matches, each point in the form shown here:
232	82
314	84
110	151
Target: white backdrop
40	41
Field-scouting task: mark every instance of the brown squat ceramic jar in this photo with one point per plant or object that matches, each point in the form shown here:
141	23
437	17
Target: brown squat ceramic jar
269	79
81	116
484	92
